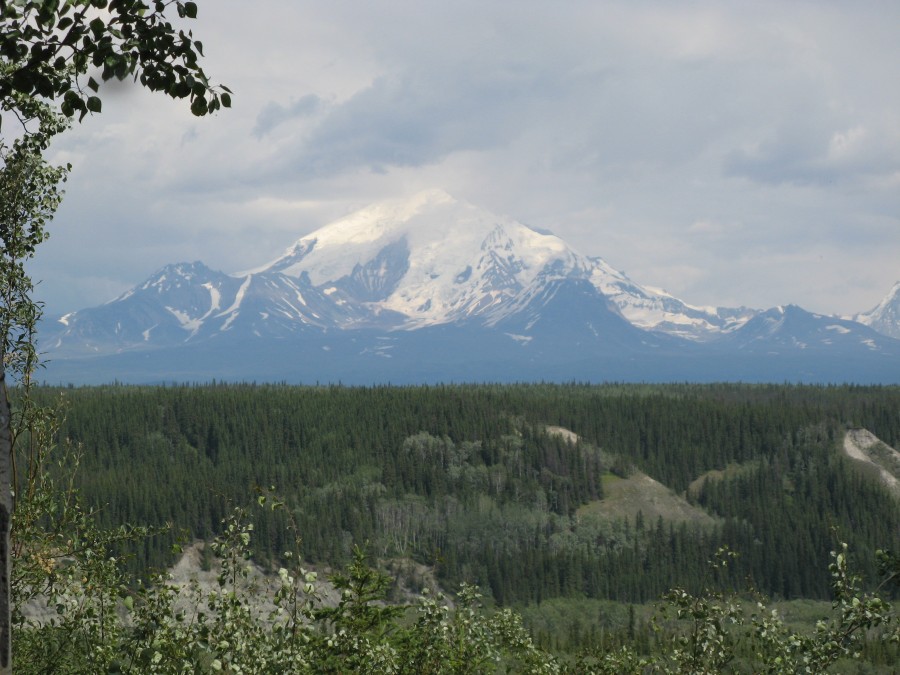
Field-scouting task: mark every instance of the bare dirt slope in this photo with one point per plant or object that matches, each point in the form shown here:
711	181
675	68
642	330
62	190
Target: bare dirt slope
568	435
863	446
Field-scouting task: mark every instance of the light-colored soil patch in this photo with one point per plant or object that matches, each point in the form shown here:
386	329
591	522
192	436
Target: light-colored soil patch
410	578
259	584
863	446
570	436
625	497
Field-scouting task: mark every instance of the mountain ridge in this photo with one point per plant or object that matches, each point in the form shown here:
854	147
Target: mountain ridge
400	270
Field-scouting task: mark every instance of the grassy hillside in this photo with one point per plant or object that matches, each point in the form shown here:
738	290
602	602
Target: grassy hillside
639	497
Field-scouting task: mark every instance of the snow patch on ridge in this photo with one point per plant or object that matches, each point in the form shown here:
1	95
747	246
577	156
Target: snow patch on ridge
187	323
215	297
238	298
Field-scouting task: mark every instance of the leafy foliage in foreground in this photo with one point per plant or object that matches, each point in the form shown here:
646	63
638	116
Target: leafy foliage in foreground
51	52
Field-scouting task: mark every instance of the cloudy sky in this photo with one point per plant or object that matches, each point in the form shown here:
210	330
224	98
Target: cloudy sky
728	152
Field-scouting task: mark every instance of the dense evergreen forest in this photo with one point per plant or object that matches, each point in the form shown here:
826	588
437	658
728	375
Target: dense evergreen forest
474	481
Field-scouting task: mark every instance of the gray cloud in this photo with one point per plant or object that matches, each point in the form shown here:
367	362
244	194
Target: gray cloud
419	117
818	152
274	114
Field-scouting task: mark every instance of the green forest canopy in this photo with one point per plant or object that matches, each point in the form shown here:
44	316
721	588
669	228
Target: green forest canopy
468	480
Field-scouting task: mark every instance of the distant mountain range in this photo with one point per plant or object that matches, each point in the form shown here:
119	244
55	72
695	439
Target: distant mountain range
432	289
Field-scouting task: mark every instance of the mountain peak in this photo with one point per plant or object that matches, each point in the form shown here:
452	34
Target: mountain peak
885	317
437	259
430	257
384	219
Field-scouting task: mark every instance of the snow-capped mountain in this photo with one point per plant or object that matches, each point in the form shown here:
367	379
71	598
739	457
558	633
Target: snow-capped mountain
654	309
402	264
439	287
885	318
431	259
791	329
436	260
188	303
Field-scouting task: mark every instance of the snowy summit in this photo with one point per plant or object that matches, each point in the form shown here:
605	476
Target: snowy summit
431	258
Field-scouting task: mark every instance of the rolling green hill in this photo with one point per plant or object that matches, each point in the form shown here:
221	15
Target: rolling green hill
638	496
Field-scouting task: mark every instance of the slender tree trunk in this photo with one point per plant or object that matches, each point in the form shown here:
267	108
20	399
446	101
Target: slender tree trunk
5	518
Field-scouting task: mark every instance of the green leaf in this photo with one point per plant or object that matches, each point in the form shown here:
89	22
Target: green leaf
226	100
92	84
94	104
198	106
98	27
190	10
122	69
